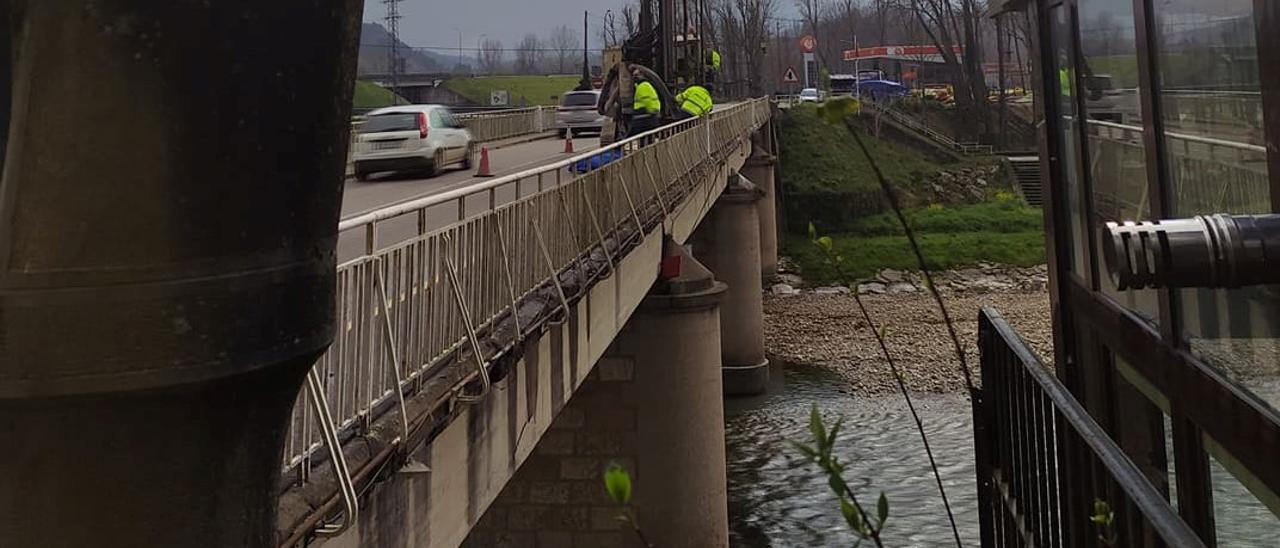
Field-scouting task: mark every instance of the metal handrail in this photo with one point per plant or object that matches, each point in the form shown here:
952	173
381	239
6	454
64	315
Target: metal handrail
1184	137
1042	461
1206	174
497	258
346	486
493	126
929	131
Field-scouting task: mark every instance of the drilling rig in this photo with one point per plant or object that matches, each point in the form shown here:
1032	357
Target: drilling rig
668	49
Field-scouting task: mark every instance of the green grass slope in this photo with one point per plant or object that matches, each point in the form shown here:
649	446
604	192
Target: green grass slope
371	95
532	90
829	182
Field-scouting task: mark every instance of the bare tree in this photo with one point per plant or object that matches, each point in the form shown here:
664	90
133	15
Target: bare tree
630	19
753	19
851	12
953	27
564	44
491	56
529	54
813	12
609	30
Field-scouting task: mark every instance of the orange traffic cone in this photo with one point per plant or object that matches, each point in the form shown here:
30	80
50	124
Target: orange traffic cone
568	143
483	170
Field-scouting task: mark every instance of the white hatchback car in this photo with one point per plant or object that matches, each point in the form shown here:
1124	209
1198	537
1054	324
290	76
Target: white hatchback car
411	137
810	95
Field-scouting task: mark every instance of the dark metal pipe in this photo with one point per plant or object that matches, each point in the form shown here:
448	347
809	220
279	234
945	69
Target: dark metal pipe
168	214
1213	251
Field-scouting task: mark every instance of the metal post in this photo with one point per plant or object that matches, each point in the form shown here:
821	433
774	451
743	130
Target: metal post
476	352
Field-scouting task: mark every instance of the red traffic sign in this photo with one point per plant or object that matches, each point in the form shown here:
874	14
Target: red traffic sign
808	43
790	76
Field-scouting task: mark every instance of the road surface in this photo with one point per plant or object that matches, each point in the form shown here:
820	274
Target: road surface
362	197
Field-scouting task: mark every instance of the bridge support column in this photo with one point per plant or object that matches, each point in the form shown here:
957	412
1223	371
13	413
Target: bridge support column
759	169
652	404
728	242
681	498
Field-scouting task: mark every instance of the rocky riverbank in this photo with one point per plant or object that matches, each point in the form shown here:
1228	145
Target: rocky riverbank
823	326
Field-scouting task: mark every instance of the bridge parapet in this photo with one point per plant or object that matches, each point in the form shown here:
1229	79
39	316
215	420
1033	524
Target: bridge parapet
485	266
505	124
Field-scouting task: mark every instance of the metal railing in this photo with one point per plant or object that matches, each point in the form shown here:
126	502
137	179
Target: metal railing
1207	174
1044	464
494	126
967	148
404	307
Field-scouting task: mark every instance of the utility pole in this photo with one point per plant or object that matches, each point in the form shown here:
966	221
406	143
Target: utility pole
392	21
459	48
585	83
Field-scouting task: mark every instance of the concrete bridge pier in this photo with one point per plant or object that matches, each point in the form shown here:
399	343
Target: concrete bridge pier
652	404
728	242
759	169
681	497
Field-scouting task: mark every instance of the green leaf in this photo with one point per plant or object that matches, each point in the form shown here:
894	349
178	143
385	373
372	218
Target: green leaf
826	243
813	232
848	510
809	452
816	428
836	483
1102	513
854	518
831	434
882	508
617	481
834	111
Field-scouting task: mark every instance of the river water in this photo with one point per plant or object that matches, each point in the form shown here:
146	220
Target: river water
776	499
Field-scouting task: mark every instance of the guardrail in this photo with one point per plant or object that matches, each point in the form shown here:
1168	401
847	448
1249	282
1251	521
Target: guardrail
967	148
404	307
494	126
1207	174
1043	463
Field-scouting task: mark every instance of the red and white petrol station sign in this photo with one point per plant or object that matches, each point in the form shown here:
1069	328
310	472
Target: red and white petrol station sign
808	43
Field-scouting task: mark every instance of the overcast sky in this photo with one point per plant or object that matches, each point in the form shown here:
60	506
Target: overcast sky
427	23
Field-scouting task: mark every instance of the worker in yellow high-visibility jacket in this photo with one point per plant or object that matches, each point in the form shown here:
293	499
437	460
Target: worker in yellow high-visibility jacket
647	106
695	101
711	61
647	100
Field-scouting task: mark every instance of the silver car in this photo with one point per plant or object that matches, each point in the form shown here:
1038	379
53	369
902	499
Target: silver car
577	113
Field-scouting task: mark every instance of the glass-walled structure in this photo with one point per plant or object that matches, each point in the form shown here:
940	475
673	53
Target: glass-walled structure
1152	110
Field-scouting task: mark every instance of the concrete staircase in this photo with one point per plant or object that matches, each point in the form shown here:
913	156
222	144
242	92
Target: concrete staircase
1026	174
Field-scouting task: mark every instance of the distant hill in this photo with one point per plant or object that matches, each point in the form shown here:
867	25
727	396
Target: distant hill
375	44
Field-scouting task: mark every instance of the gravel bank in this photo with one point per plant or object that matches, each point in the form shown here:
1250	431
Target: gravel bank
827	330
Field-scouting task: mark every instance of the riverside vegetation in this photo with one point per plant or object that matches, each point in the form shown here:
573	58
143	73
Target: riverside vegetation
963	212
